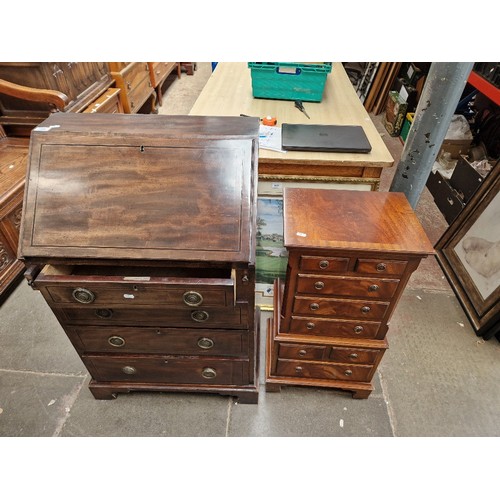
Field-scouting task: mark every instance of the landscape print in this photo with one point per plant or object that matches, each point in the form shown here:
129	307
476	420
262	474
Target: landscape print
271	255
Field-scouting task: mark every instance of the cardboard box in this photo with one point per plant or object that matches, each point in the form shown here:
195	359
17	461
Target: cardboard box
458	138
394	113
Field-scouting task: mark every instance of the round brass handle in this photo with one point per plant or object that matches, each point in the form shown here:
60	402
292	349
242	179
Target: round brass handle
373	288
116	341
129	85
208	373
323	264
353	356
298	370
302	352
205	343
129	370
192	298
319	285
381	266
199	316
365	309
348	373
104	313
83	295
310	325
358	329
314	306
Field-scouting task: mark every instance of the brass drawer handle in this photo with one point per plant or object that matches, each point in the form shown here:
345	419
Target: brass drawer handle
319	285
116	341
208	373
353	355
373	288
302	352
83	295
358	329
323	264
298	370
314	306
365	309
192	298
104	313
199	316
348	373
381	267
310	325
129	85
129	370
205	343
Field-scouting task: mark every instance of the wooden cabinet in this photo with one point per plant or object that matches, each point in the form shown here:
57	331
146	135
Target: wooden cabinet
350	256
139	233
133	80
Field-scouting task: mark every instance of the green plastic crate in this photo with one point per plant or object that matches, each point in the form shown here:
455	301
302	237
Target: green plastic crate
289	81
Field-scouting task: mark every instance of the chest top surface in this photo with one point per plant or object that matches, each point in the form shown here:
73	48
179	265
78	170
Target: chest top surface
362	220
141	187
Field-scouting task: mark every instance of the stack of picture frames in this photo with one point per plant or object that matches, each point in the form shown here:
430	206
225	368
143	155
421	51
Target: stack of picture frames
469	254
379	89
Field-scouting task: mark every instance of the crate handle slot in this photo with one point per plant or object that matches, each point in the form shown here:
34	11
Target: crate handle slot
284	70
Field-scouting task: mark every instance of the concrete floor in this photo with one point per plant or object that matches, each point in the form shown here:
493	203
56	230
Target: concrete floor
437	379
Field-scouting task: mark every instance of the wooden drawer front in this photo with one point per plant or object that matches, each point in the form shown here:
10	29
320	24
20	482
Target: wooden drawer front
352	287
167	370
354	355
334	328
159	70
380	266
138	96
341	308
134	294
133	75
295	351
143	316
324	264
332	371
161	340
109	102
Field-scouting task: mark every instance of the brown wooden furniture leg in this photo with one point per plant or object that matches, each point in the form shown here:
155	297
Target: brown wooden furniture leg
361	394
250	398
270	387
102	392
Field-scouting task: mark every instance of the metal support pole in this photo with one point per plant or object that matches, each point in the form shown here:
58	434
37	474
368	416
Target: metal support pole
441	93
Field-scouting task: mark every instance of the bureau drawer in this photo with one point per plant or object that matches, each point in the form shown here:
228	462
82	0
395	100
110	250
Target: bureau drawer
331	371
295	351
334	328
109	102
234	317
347	286
139	94
326	264
354	355
109	290
159	70
161	340
167	370
380	266
342	308
133	75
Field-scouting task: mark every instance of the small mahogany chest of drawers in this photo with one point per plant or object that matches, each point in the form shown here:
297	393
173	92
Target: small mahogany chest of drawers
139	233
351	254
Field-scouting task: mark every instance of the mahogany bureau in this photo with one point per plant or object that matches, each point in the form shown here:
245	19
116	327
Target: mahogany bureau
351	254
139	231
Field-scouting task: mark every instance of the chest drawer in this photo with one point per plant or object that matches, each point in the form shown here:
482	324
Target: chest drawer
341	308
334	328
133	74
324	264
347	286
380	267
235	317
167	370
159	70
332	371
109	102
295	351
354	355
161	340
139	94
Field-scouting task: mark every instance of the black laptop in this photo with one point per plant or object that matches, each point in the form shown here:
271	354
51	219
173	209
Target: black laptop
331	138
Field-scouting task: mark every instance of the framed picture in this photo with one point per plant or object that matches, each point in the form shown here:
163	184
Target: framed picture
469	254
271	255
